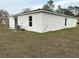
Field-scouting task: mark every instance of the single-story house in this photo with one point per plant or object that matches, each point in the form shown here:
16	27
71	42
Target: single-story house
41	21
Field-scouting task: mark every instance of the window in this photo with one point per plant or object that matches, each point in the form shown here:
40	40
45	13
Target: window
30	21
30	18
65	21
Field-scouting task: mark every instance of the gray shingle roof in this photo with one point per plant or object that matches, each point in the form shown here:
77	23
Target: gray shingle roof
39	11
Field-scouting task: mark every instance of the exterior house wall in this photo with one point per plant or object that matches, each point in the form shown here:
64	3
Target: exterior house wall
71	22
42	22
36	22
54	22
11	23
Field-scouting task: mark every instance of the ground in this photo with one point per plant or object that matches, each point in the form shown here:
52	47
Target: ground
62	43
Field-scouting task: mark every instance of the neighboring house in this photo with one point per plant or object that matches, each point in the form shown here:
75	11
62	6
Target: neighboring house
77	20
75	12
41	21
77	17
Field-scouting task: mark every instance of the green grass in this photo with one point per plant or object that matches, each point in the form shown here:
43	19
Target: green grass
62	43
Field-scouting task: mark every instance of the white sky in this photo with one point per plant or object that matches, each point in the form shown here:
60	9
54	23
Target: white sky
15	6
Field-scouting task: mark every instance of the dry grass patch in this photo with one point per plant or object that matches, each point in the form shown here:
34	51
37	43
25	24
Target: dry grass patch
62	43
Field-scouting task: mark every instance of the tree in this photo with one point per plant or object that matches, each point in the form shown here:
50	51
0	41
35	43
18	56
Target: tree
50	2
76	8
4	17
67	12
60	10
49	6
46	7
70	8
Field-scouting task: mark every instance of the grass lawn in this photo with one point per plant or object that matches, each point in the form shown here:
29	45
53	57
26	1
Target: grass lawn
62	43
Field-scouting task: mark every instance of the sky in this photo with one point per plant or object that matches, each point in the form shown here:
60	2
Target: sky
16	6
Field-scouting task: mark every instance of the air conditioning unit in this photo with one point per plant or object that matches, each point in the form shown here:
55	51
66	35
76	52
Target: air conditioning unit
18	27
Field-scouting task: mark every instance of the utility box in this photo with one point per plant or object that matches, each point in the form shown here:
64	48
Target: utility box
18	27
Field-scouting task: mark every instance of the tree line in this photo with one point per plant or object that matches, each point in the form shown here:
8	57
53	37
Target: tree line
4	17
72	11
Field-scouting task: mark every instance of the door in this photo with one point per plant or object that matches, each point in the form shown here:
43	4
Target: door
16	22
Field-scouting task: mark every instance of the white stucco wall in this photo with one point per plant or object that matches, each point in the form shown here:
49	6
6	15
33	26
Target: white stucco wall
11	23
43	22
36	20
71	22
54	22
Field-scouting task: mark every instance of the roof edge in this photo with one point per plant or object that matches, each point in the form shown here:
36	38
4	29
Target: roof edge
41	10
